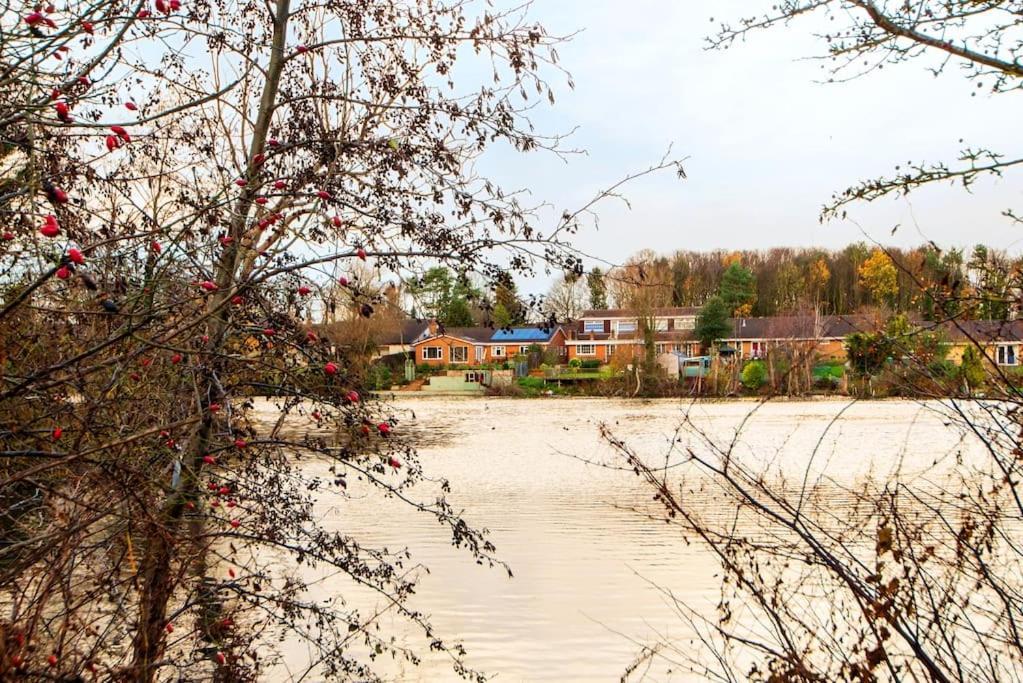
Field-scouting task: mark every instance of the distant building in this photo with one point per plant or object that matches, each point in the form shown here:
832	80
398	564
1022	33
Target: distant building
484	345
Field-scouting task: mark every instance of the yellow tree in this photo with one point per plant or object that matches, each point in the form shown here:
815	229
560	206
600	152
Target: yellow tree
879	277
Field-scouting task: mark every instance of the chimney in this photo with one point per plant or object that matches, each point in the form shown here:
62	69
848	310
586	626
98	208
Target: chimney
433	327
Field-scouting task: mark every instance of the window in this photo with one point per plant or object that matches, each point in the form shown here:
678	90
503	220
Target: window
660	324
432	353
593	326
663	348
585	350
626	325
688	323
459	354
758	349
497	352
480	353
1007	354
523	350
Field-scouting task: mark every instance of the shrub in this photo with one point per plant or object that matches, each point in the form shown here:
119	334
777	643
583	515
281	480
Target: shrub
591	364
575	363
754	375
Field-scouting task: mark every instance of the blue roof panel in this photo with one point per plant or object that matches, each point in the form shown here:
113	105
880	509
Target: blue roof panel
522	334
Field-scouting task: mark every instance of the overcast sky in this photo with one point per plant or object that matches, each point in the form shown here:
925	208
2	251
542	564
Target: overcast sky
766	142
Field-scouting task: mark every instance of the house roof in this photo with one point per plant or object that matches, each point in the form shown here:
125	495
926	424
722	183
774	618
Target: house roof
663	312
984	330
801	326
479	335
405	333
524	334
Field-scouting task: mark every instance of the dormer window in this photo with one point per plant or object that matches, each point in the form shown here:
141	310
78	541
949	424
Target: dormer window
593	326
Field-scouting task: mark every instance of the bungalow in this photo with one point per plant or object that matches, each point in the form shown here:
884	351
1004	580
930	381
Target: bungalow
482	345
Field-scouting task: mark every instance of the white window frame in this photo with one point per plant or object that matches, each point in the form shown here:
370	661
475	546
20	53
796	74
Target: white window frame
438	349
524	349
586	350
481	352
497	352
687	323
462	349
757	349
662	348
1002	354
593	326
660	324
630	326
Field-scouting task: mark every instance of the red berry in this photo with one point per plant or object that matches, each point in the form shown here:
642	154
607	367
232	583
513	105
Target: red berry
323	194
280	185
330	368
131	106
240	443
57	432
301	48
273	142
75	256
208	285
87	27
176	358
156	246
262	201
352	396
336	220
384	428
63	273
121	133
170	627
258	159
8	235
343	281
235	524
209	460
304	291
361	253
221	659
214	407
393	462
269	331
237	300
241	182
112	143
52	660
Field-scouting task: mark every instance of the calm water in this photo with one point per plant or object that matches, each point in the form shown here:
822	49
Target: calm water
585	559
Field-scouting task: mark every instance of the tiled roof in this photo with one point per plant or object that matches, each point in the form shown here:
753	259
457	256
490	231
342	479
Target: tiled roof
475	334
405	333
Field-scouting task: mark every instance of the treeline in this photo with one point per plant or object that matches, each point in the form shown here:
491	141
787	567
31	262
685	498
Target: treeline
980	282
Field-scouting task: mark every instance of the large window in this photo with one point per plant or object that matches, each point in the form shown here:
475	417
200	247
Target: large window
1008	354
626	325
497	352
459	354
585	350
593	326
661	324
688	323
758	349
432	353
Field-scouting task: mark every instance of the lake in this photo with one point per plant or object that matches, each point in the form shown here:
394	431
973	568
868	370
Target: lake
586	558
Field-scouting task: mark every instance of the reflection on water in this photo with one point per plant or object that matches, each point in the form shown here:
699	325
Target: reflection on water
584	556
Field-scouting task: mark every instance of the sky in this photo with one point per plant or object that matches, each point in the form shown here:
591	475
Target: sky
766	142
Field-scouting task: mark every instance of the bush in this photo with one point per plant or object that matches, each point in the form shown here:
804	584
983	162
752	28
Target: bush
575	363
590	364
379	377
754	375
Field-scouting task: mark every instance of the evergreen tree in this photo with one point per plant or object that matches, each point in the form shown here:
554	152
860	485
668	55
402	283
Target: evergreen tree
712	322
598	288
737	290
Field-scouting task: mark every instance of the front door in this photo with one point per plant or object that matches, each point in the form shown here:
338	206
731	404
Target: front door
479	354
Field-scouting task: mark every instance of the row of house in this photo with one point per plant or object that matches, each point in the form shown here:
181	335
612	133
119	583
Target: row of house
607	335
